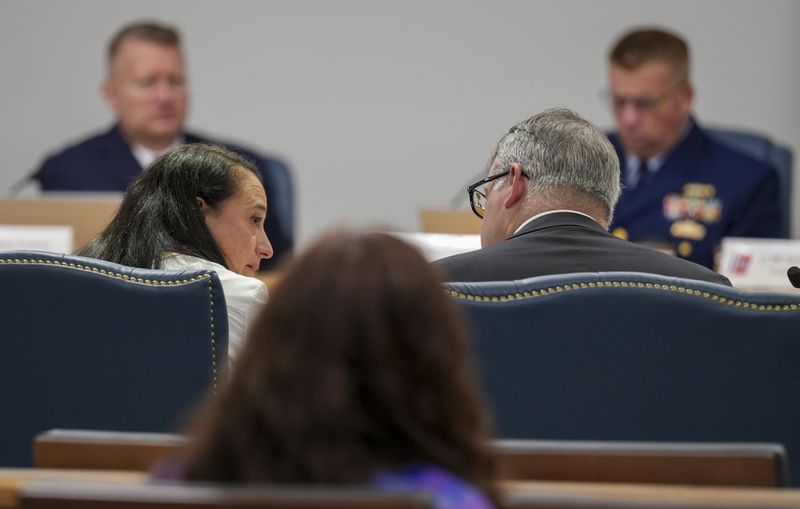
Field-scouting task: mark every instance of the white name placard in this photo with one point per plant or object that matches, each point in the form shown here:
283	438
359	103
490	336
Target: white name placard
57	239
759	264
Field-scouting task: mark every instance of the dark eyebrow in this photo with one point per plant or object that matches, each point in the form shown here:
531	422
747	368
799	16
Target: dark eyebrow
258	204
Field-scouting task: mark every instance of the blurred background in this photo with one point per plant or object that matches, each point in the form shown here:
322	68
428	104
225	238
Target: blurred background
384	107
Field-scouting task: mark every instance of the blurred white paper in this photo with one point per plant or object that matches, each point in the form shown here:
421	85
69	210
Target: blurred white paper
57	239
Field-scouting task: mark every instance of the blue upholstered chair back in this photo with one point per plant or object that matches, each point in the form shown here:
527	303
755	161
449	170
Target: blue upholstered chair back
762	149
630	356
94	345
280	218
279	178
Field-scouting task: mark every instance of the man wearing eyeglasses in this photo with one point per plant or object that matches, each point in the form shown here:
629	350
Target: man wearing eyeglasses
681	189
546	205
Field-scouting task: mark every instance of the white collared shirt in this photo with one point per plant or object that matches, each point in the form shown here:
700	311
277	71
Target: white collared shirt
654	163
632	168
145	157
541	214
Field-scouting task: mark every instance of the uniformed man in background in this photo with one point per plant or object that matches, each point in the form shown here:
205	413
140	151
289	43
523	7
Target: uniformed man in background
681	189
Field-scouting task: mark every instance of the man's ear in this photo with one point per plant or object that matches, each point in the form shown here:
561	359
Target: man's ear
202	205
688	99
517	184
109	93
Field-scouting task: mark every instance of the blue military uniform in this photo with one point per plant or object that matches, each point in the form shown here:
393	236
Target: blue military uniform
105	163
704	191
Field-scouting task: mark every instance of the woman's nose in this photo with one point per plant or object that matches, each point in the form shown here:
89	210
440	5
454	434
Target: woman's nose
263	246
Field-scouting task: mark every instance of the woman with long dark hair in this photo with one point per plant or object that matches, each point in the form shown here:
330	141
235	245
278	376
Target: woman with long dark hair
356	372
197	206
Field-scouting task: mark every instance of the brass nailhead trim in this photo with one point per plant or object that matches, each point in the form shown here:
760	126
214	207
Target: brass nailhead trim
88	268
622	284
213	336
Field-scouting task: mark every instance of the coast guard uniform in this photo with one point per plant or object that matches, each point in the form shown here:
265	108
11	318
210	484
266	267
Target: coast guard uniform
703	191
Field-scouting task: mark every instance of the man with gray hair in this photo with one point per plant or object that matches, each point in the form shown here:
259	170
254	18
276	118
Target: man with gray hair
546	205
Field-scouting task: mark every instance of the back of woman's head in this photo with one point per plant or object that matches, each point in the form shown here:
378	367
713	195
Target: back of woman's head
358	364
160	211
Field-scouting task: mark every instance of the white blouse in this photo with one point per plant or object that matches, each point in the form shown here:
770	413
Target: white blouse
245	296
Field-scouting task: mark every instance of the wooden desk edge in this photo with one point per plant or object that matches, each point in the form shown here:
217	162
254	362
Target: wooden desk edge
13	480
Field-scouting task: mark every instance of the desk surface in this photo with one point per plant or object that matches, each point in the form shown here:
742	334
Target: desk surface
11	480
270	278
86	214
614	494
449	220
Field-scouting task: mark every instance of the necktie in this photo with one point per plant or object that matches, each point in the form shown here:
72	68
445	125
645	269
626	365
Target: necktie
644	173
638	175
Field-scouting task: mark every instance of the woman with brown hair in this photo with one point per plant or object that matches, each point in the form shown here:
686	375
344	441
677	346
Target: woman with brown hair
356	372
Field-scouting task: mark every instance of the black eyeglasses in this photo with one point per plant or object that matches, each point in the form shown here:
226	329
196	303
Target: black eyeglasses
477	199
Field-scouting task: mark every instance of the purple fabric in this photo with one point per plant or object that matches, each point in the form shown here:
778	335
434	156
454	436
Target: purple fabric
170	469
447	490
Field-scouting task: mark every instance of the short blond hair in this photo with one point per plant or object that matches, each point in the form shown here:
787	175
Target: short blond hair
146	31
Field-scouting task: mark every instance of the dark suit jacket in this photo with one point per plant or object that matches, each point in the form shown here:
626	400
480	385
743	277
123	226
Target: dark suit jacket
733	195
561	243
106	163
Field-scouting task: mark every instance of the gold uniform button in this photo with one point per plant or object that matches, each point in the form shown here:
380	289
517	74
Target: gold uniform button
685	249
